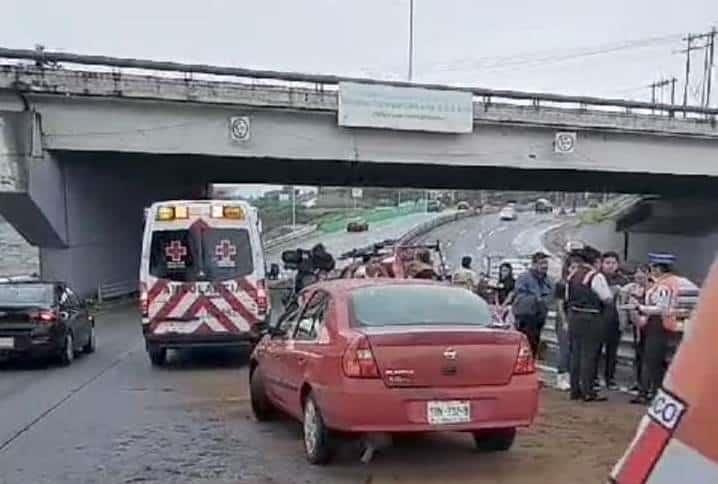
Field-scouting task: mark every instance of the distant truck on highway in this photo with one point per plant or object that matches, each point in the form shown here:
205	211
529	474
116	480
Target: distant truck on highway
543	206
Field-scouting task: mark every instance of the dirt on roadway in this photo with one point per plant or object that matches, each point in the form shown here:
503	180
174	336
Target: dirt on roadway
569	443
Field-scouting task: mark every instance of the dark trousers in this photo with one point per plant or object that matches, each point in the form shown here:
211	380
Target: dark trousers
586	335
531	327
638	345
611	340
655	350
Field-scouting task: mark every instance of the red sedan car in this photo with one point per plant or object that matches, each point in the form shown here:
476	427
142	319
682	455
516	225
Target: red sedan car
364	356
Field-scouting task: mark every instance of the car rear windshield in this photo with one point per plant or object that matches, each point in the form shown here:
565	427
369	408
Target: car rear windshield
26	295
204	255
417	306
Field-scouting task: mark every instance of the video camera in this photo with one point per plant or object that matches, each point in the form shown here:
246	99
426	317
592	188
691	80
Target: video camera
302	260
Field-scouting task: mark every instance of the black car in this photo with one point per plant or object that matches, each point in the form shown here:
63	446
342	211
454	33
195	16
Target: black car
44	319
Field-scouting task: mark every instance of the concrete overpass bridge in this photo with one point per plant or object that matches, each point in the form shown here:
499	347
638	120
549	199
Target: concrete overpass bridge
84	149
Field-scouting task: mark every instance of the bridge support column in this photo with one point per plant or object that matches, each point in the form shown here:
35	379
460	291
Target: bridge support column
83	210
104	207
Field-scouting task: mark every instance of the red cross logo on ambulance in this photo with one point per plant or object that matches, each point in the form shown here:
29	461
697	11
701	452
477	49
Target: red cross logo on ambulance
175	253
225	251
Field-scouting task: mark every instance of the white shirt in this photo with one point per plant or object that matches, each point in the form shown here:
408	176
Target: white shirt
599	285
466	278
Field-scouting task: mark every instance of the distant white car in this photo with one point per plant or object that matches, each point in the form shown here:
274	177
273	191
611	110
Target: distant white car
507	213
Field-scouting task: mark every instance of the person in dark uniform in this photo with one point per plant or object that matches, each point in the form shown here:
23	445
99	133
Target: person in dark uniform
612	328
587	295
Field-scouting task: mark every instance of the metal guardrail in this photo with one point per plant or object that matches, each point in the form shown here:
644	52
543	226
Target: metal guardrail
50	59
426	227
19	278
626	351
111	290
277	241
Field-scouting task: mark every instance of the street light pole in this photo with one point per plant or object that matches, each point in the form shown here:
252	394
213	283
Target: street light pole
411	40
294	207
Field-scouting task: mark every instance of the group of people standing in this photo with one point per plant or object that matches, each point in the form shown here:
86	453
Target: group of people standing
596	301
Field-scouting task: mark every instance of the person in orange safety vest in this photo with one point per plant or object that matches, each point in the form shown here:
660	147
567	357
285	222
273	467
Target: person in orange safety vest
661	316
675	441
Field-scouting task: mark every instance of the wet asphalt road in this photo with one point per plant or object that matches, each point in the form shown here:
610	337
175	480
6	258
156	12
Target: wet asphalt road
112	418
340	242
488	236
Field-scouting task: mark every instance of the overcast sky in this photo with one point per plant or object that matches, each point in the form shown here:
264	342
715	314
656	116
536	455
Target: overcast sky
545	45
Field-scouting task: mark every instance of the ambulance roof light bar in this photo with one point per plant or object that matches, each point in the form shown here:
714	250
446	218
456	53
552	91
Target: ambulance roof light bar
228	211
167	213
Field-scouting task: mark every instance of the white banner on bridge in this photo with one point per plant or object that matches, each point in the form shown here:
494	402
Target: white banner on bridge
405	108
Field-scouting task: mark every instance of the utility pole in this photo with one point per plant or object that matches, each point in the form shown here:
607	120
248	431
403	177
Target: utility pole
689	49
662	84
708	61
710	54
411	40
294	207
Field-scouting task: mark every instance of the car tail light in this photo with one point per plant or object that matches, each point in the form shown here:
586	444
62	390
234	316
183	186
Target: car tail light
525	360
45	317
358	360
262	298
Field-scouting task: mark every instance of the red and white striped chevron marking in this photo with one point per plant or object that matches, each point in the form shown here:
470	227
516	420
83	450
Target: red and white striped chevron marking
187	310
647	453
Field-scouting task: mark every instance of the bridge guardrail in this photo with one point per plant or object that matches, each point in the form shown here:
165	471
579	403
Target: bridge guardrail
115	289
327	82
426	227
626	353
19	278
277	241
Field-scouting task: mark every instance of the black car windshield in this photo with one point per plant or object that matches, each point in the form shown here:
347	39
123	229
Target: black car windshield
417	306
205	255
26	295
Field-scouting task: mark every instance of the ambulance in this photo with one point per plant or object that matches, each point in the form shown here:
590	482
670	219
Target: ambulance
676	439
202	276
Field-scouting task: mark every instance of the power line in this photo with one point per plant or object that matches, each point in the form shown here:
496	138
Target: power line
543	58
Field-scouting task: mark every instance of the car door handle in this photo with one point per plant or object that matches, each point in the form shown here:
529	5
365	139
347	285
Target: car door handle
301	361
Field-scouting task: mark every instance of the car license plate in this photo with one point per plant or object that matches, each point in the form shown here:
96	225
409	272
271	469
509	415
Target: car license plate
7	343
449	412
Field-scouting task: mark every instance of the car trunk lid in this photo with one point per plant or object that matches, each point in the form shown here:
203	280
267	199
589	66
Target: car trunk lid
18	318
443	356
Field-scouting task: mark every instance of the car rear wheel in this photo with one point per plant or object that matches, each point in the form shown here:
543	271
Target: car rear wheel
317	443
91	342
495	440
157	354
67	355
261	406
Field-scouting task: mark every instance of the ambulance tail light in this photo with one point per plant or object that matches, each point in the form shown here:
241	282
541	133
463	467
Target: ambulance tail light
358	360
262	298
144	302
524	360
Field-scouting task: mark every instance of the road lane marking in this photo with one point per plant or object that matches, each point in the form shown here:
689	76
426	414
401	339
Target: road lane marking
6	444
